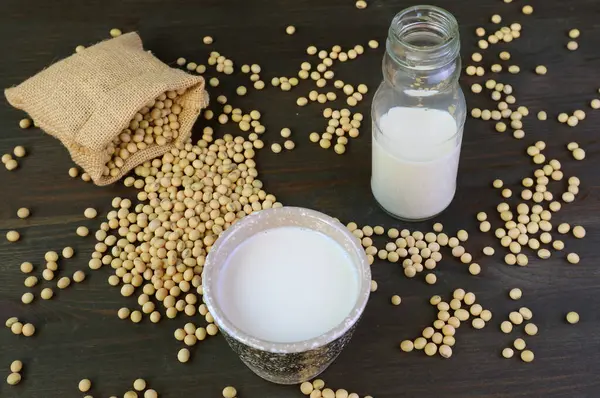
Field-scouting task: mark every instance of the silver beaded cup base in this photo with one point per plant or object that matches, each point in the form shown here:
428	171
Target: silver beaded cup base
286	363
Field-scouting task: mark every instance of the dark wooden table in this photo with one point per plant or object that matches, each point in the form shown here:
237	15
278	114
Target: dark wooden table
78	332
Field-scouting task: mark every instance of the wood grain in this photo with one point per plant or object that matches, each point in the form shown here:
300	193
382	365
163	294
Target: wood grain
78	333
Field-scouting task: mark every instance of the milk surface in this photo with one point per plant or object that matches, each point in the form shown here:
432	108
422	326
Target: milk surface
288	284
415	162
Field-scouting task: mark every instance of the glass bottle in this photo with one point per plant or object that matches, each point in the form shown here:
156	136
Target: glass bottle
418	114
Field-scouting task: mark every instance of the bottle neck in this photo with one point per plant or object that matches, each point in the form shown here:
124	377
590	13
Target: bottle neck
422	51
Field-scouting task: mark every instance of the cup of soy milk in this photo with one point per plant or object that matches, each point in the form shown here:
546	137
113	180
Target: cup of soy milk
287	286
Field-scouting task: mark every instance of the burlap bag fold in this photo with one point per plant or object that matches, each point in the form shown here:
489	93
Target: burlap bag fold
87	99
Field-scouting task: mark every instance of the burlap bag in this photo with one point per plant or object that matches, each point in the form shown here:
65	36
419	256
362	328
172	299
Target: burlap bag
87	99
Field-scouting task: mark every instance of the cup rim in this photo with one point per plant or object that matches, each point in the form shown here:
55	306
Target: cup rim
364	276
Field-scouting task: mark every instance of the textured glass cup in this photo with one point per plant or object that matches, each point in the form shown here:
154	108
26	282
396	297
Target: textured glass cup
286	363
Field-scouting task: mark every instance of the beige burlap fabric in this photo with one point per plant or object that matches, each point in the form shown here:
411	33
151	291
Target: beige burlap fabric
87	99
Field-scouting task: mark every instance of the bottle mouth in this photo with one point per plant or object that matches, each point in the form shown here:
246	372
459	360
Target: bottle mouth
423	37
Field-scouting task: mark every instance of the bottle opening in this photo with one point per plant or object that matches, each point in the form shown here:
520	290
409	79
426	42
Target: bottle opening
424	27
423	36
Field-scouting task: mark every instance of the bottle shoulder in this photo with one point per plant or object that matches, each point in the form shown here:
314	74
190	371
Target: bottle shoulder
451	100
